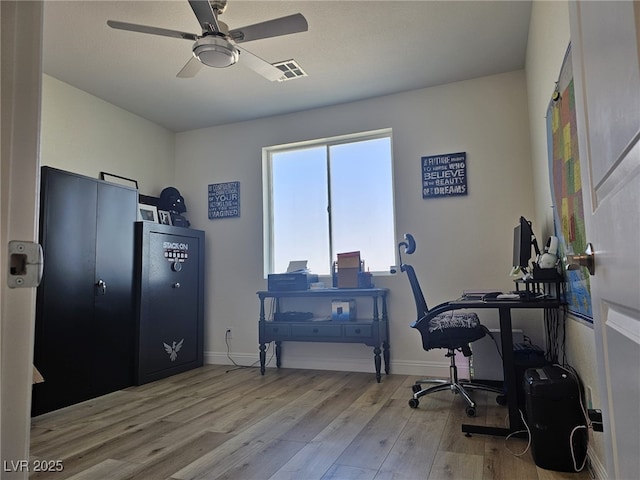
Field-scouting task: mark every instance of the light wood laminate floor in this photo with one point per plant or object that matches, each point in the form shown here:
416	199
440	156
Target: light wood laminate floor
218	423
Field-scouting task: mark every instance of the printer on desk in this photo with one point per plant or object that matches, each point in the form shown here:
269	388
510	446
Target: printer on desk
286	282
297	277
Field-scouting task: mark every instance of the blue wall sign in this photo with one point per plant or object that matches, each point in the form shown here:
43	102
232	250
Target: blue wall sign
224	200
444	175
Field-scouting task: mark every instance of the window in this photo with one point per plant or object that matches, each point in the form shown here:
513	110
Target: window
327	197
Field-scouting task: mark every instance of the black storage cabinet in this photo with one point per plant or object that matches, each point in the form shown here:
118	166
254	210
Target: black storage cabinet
552	396
169	300
84	327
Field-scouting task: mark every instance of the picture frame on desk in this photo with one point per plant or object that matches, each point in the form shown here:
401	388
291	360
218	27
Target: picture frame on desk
164	217
147	213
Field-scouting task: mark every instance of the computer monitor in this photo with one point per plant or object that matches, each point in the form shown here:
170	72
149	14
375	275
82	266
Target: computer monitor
523	240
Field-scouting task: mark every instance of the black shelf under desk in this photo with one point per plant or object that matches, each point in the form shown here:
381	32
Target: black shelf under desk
553	288
373	332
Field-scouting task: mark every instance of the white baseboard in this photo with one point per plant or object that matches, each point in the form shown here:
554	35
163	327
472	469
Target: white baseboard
597	469
219	358
291	361
423	369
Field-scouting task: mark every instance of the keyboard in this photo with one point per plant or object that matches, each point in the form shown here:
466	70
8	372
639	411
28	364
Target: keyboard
527	295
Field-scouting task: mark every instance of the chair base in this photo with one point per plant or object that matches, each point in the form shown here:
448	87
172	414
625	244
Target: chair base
456	386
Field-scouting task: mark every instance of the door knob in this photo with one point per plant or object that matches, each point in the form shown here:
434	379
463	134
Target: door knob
574	262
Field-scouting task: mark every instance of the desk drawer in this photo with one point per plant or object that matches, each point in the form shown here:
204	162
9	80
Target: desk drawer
316	330
358	331
279	330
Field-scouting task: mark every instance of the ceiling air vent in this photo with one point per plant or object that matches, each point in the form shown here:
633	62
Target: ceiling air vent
290	70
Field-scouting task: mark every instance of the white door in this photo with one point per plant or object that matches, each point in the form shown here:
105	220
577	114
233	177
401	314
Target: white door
21	85
606	46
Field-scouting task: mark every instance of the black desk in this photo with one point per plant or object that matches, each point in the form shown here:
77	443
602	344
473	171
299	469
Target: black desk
504	308
373	331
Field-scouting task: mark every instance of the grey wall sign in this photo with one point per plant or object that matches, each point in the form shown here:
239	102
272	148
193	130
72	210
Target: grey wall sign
224	200
444	175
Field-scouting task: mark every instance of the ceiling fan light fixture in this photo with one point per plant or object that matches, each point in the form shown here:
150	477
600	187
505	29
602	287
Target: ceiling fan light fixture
215	52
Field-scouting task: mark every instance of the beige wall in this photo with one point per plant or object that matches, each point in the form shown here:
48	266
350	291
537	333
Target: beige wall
463	242
84	134
548	41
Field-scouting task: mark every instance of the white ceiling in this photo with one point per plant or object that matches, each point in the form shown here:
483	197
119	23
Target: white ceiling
353	50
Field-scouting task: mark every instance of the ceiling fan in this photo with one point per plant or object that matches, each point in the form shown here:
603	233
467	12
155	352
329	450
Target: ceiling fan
217	46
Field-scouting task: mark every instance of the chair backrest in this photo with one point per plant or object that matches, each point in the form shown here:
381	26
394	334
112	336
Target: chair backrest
421	304
452	333
409	245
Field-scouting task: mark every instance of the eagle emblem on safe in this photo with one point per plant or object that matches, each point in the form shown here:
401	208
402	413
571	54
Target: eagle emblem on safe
173	349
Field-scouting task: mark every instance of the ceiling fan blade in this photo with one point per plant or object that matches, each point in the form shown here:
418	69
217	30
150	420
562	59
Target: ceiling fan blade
204	14
259	65
133	27
271	28
190	69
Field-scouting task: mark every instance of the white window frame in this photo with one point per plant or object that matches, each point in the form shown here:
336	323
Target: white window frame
267	153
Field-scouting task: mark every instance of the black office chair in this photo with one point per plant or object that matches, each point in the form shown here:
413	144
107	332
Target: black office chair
450	330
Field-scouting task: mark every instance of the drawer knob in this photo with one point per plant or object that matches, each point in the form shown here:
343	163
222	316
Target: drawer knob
315	330
357	330
275	330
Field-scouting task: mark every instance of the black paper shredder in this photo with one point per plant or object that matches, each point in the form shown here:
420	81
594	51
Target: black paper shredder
555	418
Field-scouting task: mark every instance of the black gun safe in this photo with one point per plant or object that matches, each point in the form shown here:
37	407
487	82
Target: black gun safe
169	300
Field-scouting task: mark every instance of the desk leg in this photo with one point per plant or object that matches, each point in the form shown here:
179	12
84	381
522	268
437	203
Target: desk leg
278	353
385	356
263	347
508	365
510	381
263	357
376	360
385	342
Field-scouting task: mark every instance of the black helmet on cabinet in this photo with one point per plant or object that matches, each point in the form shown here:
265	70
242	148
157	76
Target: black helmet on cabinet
172	201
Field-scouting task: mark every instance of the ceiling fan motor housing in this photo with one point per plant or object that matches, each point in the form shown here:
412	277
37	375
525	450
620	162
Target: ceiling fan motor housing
215	51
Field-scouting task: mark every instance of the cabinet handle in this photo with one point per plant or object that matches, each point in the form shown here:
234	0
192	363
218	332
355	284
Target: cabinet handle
315	330
275	330
357	330
102	287
176	285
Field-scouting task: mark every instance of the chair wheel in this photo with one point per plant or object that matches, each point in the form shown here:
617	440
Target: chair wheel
501	400
471	412
416	388
414	402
